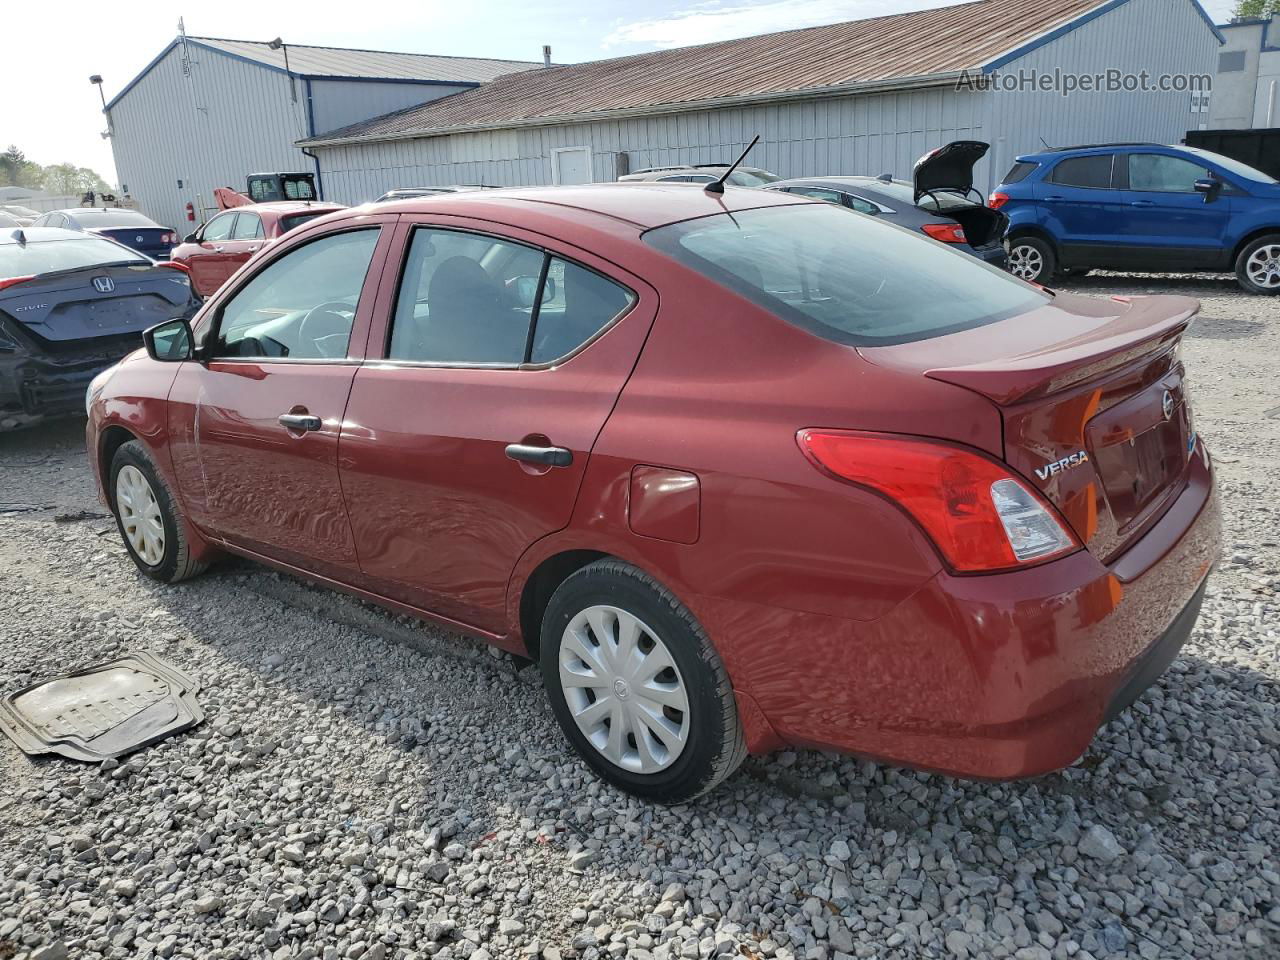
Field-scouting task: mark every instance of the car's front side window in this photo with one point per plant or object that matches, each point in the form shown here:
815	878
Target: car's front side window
1161	173
302	305
219	228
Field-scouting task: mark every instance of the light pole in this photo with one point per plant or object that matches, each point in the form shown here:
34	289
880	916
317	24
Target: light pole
278	44
96	80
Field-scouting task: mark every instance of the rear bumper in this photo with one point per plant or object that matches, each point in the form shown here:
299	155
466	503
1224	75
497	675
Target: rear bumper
994	677
993	253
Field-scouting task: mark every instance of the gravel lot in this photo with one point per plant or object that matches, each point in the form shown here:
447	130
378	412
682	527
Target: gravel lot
366	786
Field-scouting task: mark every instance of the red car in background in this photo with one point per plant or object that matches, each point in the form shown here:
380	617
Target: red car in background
739	471
216	251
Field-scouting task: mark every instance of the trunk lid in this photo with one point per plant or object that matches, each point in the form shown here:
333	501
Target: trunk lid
97	301
153	241
949	167
1092	399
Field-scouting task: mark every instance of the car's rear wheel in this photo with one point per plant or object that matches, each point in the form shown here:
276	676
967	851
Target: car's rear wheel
147	517
636	685
1258	265
1031	259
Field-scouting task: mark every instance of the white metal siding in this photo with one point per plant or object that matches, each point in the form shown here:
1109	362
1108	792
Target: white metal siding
228	119
337	103
859	134
1158	36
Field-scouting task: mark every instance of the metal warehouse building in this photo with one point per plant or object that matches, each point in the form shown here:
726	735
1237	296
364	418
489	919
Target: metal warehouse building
864	97
206	113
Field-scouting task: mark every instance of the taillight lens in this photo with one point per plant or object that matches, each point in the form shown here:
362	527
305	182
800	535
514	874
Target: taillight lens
10	281
997	200
169	238
979	515
174	265
946	232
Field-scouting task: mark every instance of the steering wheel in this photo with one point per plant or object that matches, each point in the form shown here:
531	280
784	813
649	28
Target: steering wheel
328	326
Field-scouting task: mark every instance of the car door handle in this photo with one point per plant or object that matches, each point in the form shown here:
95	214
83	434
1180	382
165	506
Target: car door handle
217	249
1142	203
1055	198
299	421
547	456
253	249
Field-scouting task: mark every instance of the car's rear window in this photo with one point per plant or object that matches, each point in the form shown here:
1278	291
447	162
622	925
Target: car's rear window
752	178
1019	171
298	219
845	277
934	200
50	256
109	217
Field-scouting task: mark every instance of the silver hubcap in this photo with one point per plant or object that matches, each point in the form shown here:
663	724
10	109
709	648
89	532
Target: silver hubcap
1263	267
624	690
1025	262
140	515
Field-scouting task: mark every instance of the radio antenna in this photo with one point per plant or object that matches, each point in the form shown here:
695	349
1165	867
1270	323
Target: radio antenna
718	185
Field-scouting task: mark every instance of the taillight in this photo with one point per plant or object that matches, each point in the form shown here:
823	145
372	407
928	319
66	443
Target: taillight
174	265
946	232
169	238
10	281
997	200
980	516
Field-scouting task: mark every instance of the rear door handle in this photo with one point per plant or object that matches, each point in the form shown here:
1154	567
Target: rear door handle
547	456
299	421
1055	198
1142	203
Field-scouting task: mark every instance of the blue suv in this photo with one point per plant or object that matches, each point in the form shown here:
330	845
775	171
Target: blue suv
1141	207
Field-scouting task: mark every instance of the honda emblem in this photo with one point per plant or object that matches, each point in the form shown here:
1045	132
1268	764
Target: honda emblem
103	284
1167	404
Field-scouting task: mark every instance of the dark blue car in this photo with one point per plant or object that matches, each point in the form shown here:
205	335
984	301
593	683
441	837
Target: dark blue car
71	305
116	223
1141	207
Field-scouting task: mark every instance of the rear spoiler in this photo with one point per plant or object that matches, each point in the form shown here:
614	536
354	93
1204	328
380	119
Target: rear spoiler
1146	327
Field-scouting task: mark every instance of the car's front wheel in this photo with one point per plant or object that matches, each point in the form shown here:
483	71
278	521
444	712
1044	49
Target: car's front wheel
1258	265
147	517
1031	259
636	685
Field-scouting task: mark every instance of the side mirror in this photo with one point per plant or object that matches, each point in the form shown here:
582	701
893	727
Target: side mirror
170	341
191	238
1209	186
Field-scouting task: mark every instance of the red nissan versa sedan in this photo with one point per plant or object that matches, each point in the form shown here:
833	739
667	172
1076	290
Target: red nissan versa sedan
739	471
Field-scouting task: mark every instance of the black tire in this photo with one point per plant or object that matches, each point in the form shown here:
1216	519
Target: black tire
1272	241
176	562
715	745
1031	259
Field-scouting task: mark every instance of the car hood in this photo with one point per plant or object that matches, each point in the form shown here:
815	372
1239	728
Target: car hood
949	167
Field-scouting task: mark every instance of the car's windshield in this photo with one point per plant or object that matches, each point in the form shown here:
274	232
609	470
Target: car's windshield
845	277
1231	166
50	256
752	178
112	218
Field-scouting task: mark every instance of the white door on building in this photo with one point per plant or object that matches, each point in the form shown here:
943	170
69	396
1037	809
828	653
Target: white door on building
570	165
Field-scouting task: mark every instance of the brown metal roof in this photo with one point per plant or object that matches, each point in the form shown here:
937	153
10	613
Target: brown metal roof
878	51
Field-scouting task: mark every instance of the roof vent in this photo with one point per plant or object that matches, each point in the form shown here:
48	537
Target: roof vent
546	54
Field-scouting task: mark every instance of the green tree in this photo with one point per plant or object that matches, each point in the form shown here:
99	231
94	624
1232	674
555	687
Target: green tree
67	178
17	171
1257	8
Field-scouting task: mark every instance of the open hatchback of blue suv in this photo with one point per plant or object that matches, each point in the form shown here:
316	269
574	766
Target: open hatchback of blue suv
1141	207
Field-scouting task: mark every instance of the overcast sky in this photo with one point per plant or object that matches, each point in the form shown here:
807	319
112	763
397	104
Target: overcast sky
49	109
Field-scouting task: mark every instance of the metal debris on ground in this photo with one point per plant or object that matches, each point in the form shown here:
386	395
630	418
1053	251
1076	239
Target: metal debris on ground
78	516
105	711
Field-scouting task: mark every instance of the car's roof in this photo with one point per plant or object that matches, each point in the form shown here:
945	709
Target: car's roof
642	203
1092	148
39	234
867	183
288	206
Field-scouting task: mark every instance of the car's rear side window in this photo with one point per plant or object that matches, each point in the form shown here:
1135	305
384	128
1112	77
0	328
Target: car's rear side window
470	298
1019	171
1093	171
50	256
846	278
295	220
